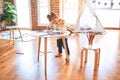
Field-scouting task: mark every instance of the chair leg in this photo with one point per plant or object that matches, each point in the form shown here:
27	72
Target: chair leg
98	56
81	61
86	55
95	60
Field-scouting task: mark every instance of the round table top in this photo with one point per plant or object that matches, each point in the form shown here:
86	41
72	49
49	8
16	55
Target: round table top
11	27
50	34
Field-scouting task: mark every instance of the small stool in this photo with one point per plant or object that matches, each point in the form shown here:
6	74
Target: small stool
84	55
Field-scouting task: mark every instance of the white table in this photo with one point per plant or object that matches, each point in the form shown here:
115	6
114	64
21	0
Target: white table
46	35
11	29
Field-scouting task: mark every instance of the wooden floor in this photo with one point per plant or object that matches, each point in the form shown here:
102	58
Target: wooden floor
23	65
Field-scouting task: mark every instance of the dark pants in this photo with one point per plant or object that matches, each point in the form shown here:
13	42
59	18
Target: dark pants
60	45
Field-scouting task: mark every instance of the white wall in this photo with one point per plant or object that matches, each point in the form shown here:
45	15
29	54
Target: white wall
109	18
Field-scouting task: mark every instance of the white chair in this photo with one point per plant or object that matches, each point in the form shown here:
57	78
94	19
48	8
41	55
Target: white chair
84	56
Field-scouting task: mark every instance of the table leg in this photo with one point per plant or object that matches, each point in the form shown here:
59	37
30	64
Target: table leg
64	44
39	43
20	34
10	34
12	30
45	54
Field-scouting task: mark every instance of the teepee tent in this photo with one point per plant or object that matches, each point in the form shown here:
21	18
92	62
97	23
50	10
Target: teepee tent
87	19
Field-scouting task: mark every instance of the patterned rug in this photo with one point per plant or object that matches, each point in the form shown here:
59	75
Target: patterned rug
26	37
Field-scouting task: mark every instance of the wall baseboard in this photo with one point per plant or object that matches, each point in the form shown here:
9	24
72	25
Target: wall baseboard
112	28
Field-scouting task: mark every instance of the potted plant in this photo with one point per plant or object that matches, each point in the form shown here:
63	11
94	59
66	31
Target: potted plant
9	15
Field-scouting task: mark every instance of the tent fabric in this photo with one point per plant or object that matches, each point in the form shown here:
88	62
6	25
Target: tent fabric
87	19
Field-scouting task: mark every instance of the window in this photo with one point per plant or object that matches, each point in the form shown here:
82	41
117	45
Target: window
23	7
43	10
69	11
